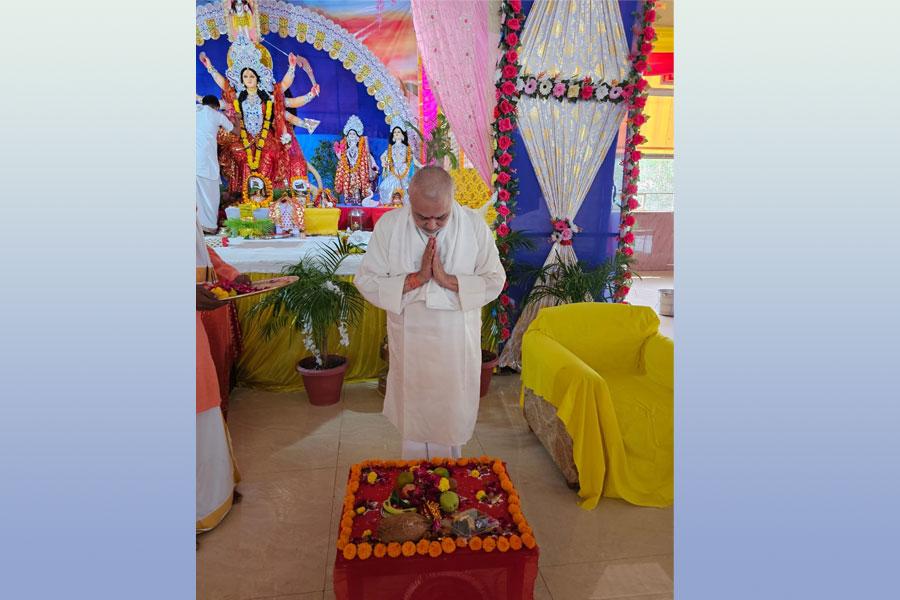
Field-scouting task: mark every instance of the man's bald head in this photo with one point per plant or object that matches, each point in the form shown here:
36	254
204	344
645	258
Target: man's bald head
430	198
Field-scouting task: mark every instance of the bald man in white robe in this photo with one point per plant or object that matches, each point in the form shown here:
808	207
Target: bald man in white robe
432	265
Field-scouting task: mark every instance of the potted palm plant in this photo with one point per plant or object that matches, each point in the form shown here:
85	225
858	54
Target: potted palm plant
317	306
569	282
438	147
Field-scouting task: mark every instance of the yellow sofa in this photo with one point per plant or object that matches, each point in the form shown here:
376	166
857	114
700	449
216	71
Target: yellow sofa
597	390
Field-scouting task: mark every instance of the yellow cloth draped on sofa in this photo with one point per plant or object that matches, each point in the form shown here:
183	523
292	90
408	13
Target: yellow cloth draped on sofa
610	375
271	364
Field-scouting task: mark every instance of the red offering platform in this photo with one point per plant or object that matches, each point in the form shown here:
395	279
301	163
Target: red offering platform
371	214
502	564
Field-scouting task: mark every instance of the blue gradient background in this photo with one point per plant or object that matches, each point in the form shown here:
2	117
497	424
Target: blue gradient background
787	418
787	409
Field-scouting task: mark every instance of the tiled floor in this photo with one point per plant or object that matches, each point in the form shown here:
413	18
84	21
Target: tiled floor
279	542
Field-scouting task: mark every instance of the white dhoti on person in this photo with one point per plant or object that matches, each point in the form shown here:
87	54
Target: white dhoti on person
209	121
208	202
434	334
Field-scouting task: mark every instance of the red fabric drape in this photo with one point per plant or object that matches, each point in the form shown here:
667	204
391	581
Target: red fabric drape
661	63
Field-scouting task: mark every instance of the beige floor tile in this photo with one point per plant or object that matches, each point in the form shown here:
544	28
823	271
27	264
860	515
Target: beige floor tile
262	451
280	541
541	592
629	578
273	542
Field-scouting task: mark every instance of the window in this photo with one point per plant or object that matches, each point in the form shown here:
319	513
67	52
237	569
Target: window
656	188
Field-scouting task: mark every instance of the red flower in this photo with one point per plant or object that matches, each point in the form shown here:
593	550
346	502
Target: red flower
640	101
649	32
638	139
508	88
635	171
503	210
587	91
629	220
627	251
503	195
512	56
623	291
510	71
633	204
512	39
504	299
513	24
503	178
496	112
639	119
641	84
646	48
507	107
503	230
505	125
504	319
640	66
628	238
628	91
630	188
505	159
650	16
504	334
516	5
635	155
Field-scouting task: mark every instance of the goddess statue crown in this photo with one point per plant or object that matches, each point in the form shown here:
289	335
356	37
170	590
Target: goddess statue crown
245	54
355	124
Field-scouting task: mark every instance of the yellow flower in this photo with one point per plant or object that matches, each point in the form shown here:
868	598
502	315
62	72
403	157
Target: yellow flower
360	510
480	495
367	533
474	473
372	477
444	484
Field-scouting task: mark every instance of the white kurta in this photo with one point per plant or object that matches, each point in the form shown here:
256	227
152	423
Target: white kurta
209	121
434	334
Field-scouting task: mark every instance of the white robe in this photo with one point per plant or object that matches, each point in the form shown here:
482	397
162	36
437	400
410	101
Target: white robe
434	334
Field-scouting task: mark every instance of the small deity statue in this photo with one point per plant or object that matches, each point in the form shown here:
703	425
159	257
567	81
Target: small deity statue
396	168
356	165
287	214
242	18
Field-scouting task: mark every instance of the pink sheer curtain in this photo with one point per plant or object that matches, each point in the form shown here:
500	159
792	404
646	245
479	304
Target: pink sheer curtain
459	52
429	106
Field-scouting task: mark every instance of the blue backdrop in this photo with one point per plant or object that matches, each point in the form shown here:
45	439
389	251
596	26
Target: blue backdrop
598	218
340	96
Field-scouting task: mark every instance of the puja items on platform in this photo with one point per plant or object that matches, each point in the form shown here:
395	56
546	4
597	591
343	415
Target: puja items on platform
404	508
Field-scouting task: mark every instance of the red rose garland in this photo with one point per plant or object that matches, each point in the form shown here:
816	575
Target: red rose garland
636	95
505	123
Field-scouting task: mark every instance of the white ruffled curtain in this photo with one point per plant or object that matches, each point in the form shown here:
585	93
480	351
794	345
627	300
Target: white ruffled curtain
567	142
458	41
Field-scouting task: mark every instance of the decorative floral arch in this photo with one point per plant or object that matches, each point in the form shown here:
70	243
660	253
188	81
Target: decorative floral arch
306	26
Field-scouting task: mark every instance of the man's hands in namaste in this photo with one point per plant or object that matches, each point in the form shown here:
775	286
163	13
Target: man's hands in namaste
433	268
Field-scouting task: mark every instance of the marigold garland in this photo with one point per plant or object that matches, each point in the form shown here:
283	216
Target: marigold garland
253	159
364	550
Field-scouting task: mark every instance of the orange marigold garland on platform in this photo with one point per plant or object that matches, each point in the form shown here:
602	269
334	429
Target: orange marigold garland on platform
370	481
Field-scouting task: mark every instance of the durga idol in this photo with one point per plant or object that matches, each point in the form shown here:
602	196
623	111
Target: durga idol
265	146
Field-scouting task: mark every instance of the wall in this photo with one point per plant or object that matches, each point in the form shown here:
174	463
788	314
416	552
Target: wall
654	231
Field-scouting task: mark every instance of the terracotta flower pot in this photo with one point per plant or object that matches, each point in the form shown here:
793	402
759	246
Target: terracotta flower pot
489	361
323	386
